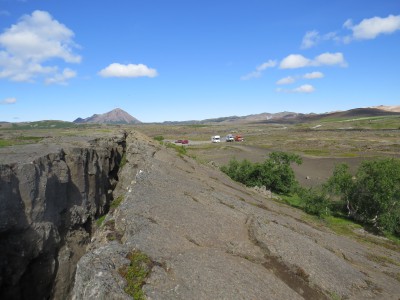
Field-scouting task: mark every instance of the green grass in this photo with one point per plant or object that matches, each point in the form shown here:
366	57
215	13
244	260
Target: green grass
100	221
293	200
159	138
340	225
316	152
123	161
116	202
6	143
44	125
19	140
382	260
136	273
181	150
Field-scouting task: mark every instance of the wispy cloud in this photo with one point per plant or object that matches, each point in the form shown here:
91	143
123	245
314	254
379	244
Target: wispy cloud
303	89
4	13
293	79
259	69
313	75
313	38
9	101
61	78
130	70
286	80
367	29
294	61
27	47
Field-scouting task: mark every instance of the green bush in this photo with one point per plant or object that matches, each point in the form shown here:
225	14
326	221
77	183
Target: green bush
316	202
373	194
275	173
159	138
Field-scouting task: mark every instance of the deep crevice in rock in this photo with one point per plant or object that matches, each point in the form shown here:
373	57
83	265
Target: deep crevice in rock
47	210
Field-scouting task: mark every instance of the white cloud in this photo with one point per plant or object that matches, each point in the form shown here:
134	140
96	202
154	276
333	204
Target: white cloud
294	61
310	39
258	72
305	88
268	64
286	80
36	39
61	78
292	79
313	75
371	28
366	29
313	38
9	101
330	59
130	70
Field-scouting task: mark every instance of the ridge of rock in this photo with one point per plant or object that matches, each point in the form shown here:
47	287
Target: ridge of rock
212	238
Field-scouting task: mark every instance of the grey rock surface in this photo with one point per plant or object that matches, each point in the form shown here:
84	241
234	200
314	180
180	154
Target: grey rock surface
211	238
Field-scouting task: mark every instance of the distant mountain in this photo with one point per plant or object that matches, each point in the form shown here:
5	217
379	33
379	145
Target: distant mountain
240	120
116	116
347	114
393	108
295	118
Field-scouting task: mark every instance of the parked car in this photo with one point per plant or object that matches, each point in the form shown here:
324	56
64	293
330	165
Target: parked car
229	138
239	138
215	139
183	142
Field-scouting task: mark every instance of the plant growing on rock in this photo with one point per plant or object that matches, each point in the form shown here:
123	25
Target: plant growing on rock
136	273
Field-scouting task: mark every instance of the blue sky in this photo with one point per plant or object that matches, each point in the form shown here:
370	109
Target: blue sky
165	60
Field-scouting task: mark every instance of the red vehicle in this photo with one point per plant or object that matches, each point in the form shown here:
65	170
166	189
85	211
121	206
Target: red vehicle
183	142
239	138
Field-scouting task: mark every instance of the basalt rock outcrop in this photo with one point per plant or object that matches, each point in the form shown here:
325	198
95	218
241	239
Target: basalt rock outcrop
206	236
49	198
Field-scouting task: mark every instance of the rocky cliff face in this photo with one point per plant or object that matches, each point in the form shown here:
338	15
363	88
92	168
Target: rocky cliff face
47	207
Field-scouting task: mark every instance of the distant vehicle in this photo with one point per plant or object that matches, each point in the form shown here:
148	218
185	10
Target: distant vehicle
182	142
229	138
215	139
239	138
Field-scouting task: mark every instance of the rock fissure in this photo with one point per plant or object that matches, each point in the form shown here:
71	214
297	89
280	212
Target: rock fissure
47	207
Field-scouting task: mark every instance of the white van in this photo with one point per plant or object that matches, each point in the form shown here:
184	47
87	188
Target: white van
215	139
